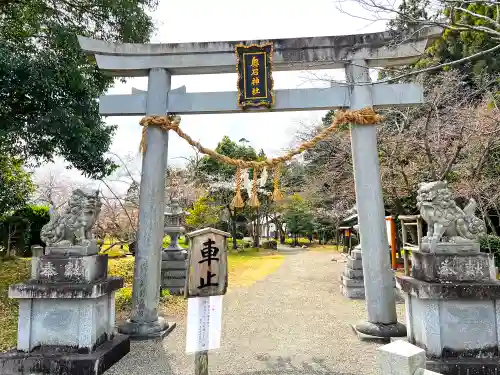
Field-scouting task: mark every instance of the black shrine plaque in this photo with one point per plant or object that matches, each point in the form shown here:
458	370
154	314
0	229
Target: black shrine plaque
255	80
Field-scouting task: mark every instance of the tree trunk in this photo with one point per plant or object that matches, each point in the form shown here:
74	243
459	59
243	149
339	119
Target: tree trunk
267	227
9	241
232	218
256	238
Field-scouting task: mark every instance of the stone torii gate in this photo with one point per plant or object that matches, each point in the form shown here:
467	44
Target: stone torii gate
355	53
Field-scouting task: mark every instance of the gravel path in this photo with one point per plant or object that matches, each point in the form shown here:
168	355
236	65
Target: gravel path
295	322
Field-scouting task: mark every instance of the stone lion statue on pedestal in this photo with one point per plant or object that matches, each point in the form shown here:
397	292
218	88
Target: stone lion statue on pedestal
446	221
73	226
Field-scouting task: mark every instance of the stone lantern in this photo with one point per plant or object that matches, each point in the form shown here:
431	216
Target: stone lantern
174	257
173	225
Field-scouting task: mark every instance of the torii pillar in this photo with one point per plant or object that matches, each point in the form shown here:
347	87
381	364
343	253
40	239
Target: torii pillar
355	53
378	278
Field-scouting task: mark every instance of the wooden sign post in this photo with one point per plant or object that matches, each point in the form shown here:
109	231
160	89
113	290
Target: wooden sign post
206	283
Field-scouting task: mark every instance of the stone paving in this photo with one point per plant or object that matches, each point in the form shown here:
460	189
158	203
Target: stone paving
293	322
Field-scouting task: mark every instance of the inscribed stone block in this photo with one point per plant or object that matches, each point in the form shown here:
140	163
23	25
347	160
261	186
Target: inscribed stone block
70	268
400	358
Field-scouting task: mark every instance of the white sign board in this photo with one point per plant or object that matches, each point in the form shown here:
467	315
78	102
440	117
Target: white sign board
204	324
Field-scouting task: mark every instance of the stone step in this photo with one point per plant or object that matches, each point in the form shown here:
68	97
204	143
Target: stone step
355	264
173	274
174	264
353	274
175	290
167	283
356	254
352	283
353	293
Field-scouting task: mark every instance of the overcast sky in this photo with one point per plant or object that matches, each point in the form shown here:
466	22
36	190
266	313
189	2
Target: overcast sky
227	20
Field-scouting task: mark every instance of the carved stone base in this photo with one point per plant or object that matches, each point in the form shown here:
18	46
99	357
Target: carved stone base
453	321
67	306
378	331
444	267
51	317
147	330
89	249
465	366
52	361
450	247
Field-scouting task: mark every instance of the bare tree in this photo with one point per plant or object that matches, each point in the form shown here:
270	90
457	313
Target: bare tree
445	139
54	188
432	15
119	215
454	136
411	18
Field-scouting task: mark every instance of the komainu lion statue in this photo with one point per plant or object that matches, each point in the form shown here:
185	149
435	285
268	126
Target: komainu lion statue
446	221
73	226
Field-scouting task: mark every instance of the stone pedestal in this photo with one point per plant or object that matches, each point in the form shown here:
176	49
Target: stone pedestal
174	270
66	316
352	282
453	310
174	257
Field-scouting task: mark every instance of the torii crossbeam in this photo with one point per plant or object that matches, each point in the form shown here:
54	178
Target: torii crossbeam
355	53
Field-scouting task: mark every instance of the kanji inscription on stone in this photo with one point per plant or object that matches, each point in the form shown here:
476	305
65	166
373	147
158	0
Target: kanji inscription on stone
207	270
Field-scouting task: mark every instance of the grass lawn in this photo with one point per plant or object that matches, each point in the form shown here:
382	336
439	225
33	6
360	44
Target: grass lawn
245	268
327	248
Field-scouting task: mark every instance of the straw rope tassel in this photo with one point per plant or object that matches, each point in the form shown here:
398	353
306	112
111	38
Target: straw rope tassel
277	194
254	201
237	201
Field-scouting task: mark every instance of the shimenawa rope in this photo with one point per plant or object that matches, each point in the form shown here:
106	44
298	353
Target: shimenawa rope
365	116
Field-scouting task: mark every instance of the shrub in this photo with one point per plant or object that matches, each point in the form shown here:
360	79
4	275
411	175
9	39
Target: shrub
164	295
123	299
123	267
242	244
